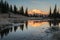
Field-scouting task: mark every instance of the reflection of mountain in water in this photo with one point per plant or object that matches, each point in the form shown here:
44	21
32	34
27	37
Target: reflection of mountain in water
36	23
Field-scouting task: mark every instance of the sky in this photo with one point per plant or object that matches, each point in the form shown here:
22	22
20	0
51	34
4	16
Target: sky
35	4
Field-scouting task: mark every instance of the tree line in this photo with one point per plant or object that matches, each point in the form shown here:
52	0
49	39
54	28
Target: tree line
55	13
5	8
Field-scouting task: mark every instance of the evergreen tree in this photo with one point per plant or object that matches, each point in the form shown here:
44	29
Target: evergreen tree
7	7
1	5
55	12
58	15
21	11
50	10
50	13
15	9
11	8
55	9
26	12
4	6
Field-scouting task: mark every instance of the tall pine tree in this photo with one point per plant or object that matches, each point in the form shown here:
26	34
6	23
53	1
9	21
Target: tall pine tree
7	5
15	9
55	9
21	11
50	13
11	8
1	6
55	12
26	12
4	6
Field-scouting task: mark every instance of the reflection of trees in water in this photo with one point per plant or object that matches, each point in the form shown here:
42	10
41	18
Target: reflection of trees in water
22	27
15	28
26	24
11	29
5	32
54	25
54	22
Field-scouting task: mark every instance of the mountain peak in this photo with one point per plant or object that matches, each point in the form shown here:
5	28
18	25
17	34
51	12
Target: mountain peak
37	11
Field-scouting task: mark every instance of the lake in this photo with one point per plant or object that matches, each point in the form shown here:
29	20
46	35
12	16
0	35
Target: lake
29	30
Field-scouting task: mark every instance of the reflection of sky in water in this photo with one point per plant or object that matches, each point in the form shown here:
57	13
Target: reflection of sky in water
34	30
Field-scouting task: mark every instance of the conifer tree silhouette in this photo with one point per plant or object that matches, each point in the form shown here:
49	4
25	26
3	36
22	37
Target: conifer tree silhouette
50	13
26	12
7	7
55	9
55	12
15	9
11	8
4	6
21	11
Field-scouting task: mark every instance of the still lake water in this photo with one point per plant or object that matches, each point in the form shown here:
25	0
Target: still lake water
28	30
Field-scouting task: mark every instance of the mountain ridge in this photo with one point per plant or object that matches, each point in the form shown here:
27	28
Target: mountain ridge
37	11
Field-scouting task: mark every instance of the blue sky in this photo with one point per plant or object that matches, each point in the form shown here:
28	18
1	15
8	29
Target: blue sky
35	4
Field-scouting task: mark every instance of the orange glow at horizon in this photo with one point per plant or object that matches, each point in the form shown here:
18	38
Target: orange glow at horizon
36	23
36	11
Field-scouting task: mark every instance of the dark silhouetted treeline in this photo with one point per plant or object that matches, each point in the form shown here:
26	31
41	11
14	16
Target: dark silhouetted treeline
6	8
55	13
